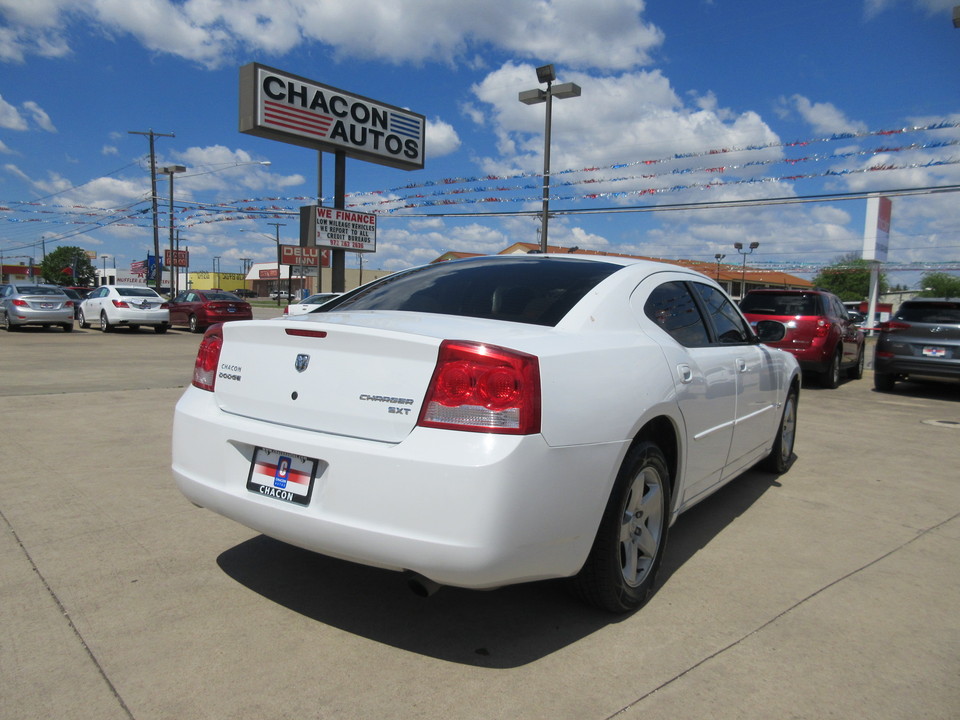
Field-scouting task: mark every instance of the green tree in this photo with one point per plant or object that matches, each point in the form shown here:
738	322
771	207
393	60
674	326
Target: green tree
68	265
848	278
939	284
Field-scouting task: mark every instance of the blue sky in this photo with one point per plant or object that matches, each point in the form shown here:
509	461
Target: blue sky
689	101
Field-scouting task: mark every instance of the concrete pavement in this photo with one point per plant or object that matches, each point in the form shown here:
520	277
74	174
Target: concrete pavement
831	591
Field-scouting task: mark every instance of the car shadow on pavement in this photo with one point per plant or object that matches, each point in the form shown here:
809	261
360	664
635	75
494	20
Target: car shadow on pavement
504	628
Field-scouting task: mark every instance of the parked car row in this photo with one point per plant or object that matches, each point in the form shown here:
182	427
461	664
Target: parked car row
114	306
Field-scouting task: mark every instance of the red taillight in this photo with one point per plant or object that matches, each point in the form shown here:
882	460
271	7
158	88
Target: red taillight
823	328
120	304
68	303
286	310
892	326
20	303
208	358
483	388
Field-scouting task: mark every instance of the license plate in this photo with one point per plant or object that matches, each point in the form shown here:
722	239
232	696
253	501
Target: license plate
934	351
46	306
284	476
231	309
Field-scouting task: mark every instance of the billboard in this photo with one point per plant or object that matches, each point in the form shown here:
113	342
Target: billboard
337	228
279	106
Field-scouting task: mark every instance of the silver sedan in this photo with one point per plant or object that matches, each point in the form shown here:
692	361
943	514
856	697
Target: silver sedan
31	304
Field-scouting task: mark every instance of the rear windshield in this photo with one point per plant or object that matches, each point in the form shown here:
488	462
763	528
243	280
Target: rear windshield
39	290
933	312
538	291
781	304
220	296
136	292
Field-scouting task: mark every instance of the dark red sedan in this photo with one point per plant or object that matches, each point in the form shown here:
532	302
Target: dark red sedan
198	309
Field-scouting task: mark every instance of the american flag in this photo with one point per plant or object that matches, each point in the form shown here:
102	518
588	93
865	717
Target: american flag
139	267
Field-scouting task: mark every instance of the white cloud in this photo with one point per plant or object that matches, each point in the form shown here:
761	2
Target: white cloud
10	117
441	138
603	33
39	116
823	117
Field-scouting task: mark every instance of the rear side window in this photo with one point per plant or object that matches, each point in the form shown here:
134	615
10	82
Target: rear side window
672	307
933	312
533	290
781	304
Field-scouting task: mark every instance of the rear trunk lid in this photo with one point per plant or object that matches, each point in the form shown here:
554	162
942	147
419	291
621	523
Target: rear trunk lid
346	379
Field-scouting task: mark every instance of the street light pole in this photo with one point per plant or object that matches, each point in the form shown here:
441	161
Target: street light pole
743	274
719	257
546	74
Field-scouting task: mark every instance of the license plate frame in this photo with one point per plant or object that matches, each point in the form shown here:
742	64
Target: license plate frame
284	476
934	351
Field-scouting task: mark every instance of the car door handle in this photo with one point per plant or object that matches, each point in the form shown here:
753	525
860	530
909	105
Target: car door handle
685	373
741	365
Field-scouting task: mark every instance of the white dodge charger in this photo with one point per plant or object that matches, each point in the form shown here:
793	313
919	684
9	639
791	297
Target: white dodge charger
490	421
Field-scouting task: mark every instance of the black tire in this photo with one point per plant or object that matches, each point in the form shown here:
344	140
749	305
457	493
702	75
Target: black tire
830	379
7	325
82	321
884	382
194	324
621	569
105	325
778	460
160	329
67	327
856	372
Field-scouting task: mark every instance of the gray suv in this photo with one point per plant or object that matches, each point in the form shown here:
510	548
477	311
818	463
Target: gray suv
922	338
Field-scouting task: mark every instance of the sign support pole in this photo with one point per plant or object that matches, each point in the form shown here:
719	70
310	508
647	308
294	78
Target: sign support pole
319	202
338	256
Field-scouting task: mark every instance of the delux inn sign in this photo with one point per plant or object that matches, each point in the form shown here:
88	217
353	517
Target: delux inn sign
288	108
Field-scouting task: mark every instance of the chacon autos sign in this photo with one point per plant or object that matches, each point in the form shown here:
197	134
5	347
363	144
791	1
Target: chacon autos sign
288	108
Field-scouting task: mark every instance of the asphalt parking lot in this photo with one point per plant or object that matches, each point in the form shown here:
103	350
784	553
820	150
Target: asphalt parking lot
829	592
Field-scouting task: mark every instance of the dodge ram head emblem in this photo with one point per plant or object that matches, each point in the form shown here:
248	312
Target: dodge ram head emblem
302	361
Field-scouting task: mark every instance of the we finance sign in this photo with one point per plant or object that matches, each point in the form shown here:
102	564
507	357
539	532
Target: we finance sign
292	109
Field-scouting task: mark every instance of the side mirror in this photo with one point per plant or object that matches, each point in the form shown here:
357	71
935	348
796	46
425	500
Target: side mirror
770	330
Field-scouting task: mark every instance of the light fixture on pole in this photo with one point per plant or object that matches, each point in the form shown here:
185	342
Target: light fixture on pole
103	276
546	74
170	170
718	257
743	275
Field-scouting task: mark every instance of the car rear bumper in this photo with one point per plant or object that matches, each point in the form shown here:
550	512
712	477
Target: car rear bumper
132	316
907	365
28	316
465	509
813	358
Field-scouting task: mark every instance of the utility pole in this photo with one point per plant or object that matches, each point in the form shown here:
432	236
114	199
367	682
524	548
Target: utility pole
153	196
